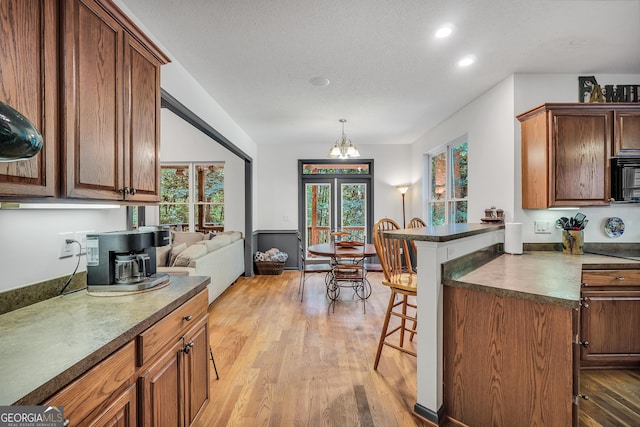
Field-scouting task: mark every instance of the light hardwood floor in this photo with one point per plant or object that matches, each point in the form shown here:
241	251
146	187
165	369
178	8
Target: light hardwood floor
283	362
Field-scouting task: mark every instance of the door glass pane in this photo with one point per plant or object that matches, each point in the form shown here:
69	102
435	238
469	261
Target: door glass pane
459	171
333	168
353	215
317	213
439	176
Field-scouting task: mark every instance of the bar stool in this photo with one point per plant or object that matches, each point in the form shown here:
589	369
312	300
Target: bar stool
402	283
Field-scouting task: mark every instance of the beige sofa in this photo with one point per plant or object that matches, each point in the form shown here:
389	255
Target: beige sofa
220	257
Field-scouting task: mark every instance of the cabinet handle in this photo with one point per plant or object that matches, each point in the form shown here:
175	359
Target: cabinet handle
583	396
584	284
132	191
584	302
66	422
187	348
187	318
585	344
619	278
127	190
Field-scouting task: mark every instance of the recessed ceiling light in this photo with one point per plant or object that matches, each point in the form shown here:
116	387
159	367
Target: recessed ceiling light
443	32
319	81
466	61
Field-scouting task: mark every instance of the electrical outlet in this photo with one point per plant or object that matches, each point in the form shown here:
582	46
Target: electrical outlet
65	249
81	237
542	227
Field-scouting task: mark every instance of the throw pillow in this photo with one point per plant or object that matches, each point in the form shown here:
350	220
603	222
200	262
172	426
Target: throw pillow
189	254
175	251
163	255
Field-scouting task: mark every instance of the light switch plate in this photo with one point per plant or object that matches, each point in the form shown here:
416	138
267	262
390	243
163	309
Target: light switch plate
542	227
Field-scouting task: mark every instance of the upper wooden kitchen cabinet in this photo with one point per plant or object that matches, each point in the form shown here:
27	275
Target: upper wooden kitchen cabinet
565	155
566	152
627	132
110	105
29	84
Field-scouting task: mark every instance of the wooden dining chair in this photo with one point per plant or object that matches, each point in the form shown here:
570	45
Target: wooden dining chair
415	222
402	282
309	268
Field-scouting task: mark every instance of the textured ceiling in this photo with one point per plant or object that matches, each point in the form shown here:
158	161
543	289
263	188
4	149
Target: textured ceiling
390	78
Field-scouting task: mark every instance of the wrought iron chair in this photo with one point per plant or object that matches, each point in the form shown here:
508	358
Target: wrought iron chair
402	283
348	271
309	268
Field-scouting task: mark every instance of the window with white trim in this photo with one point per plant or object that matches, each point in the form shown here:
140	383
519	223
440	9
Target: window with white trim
447	184
192	196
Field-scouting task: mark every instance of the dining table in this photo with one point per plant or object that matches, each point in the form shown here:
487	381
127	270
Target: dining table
359	282
329	250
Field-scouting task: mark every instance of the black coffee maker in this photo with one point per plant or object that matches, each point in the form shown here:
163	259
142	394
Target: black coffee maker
125	261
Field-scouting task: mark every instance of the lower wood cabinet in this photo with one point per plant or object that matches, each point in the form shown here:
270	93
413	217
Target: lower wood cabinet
610	318
161	378
175	388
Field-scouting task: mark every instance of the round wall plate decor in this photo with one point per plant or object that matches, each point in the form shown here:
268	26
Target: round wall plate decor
614	227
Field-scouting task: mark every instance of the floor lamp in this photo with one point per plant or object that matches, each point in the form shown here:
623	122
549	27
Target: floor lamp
403	190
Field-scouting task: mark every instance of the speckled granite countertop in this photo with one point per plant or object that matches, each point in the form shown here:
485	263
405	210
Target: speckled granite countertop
443	233
45	346
544	276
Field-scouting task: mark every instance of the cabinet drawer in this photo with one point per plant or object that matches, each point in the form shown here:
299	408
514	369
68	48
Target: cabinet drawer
97	385
151	341
611	277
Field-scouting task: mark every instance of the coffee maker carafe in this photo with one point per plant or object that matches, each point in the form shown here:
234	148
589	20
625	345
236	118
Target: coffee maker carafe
125	260
131	268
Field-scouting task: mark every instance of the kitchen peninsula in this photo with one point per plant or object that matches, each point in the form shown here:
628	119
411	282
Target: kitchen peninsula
92	354
497	342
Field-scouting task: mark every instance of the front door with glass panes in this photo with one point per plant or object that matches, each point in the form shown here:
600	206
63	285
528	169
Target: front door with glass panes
335	197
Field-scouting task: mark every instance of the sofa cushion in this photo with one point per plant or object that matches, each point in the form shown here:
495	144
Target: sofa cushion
163	255
175	251
187	237
192	252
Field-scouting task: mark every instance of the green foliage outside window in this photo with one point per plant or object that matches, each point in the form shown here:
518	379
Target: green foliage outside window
208	190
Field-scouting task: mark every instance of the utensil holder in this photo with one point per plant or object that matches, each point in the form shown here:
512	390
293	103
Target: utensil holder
573	242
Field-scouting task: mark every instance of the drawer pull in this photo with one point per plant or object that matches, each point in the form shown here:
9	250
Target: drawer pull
187	318
619	278
187	348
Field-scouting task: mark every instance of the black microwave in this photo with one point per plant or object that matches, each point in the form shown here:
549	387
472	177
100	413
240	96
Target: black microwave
625	179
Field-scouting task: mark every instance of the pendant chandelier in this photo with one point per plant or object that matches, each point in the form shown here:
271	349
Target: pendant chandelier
343	148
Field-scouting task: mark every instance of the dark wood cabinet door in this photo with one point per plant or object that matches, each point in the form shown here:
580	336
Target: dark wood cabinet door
29	84
161	390
142	122
92	160
196	366
627	132
611	326
581	147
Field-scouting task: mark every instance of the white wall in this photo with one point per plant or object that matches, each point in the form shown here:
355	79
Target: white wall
181	142
494	154
29	250
277	188
488	124
532	90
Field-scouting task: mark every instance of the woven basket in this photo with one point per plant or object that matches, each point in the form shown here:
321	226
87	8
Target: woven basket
270	267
